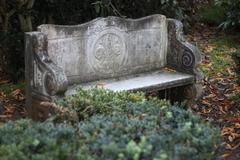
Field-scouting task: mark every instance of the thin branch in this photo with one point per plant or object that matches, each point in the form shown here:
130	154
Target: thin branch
9	14
115	10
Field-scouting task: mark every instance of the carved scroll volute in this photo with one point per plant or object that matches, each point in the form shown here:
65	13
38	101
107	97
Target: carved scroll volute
181	55
184	57
49	79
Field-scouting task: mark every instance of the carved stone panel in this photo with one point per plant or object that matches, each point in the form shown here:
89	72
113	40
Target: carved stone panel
67	53
107	52
108	47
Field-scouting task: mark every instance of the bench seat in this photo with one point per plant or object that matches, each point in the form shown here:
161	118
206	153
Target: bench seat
157	80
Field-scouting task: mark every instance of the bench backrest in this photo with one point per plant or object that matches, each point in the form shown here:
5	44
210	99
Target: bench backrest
108	47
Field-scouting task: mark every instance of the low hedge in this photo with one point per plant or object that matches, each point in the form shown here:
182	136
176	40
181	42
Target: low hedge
122	126
149	132
87	103
28	140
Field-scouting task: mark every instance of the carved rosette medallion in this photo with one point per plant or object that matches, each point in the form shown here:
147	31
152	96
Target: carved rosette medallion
108	52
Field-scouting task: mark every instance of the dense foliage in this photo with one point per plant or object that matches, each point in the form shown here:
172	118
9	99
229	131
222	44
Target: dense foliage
138	129
232	8
98	101
18	16
148	131
212	14
27	140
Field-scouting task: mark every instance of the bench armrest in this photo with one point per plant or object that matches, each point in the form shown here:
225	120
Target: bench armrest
181	55
44	79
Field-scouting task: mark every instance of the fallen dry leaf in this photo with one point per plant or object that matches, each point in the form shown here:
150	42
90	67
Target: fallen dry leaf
4	82
15	92
226	155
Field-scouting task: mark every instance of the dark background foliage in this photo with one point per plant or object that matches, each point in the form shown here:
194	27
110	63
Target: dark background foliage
232	14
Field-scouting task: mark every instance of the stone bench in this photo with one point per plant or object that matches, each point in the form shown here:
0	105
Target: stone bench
113	53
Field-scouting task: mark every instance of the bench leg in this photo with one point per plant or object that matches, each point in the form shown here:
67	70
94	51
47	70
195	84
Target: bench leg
192	93
40	110
36	111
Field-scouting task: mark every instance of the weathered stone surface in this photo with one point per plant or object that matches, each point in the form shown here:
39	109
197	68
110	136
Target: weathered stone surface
44	79
151	81
183	56
108	47
115	53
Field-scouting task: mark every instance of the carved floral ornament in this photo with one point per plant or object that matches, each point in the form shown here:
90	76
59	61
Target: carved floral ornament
108	52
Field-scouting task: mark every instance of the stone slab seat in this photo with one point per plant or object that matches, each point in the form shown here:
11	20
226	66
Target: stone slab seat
151	81
113	53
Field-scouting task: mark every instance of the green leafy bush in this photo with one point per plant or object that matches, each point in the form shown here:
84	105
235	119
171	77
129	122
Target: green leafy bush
136	128
212	14
27	140
232	8
97	101
149	131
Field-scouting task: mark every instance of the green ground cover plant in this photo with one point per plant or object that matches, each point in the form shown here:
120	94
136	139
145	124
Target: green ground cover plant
116	126
220	56
9	87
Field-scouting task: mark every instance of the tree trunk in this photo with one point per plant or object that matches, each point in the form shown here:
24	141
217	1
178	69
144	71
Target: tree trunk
25	19
5	16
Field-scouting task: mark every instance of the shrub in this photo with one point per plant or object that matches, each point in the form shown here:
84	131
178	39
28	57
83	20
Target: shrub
212	14
134	129
26	140
232	8
123	125
149	132
97	101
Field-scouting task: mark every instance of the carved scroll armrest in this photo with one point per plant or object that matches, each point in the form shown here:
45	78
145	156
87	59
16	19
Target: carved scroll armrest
181	55
43	77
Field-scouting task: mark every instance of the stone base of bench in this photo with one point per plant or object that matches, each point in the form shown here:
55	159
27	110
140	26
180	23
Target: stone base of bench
36	111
